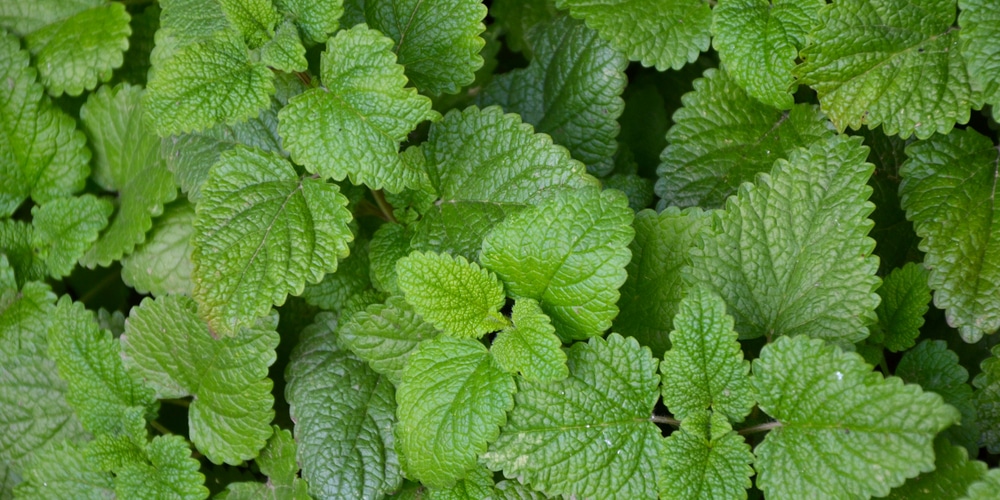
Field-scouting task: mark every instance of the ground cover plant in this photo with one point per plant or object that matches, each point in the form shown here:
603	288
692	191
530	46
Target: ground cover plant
521	249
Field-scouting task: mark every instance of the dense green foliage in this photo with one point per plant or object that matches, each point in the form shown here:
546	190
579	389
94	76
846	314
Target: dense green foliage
512	249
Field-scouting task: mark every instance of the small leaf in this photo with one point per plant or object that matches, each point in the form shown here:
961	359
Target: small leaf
530	346
390	243
905	299
316	20
452	401
255	19
162	264
478	485
65	228
15	240
705	464
285	52
843	429
169	471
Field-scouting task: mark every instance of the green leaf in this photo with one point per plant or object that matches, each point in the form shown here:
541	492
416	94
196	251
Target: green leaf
705	459
743	27
638	189
169	471
452	400
722	138
893	63
458	227
162	264
987	399
255	19
590	434
517	17
316	20
353	125
285	52
948	189
653	290
261	233
276	461
985	489
15	240
477	485
390	243
569	253
127	160
905	299
704	367
980	22
106	399
459	297
654	32
485	155
952	476
436	40
173	351
571	91
530	346
384	335
351	277
62	471
937	369
344	413
65	228
791	254
144	24
43	154
842	429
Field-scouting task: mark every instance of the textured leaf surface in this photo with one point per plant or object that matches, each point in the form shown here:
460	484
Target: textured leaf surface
654	32
705	459
844	430
344	413
459	297
15	240
261	233
452	401
437	40
948	191
569	253
351	277
168	471
162	264
530	346
173	351
722	138
42	153
63	471
458	227
704	367
986	488
127	160
485	155
284	52
791	254
277	461
987	399
759	41
952	476
650	295
980	23
588	435
65	228
352	126
571	91
390	243
316	20
905	299
518	17
385	335
893	63
477	485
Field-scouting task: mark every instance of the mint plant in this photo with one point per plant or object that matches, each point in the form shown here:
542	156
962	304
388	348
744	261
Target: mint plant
513	249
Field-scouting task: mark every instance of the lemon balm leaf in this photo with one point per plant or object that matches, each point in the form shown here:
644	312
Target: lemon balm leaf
530	346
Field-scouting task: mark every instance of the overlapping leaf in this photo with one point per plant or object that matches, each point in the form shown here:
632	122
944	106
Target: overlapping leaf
261	233
316	20
980	23
351	277
167	470
905	298
530	346
948	191
352	126
571	91
518	17
162	264
954	473
791	254
843	429
277	461
458	227
569	253
64	228
986	488
173	351
15	240
390	243
705	459
987	399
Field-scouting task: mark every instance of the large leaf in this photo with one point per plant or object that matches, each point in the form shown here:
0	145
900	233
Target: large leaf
705	459
841	429
261	233
63	471
791	254
948	191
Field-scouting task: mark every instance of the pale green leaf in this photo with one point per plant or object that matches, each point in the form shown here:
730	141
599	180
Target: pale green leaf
894	63
277	461
704	367
127	160
905	299
436	40
790	254
352	126
980	23
954	473
255	19
654	288
477	485
390	243
722	137
589	435
344	413
168	472
571	91
261	233
759	41
987	399
62	471
661	33
28	17
458	227
42	153
171	350
485	155
162	264
530	346
316	20
948	190
284	52
842	429
106	398
985	489
452	400
385	335
705	459
458	297
351	277
569	253
65	228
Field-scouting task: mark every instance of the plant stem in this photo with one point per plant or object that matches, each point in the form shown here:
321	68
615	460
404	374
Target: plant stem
657	419
766	426
383	205
160	428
